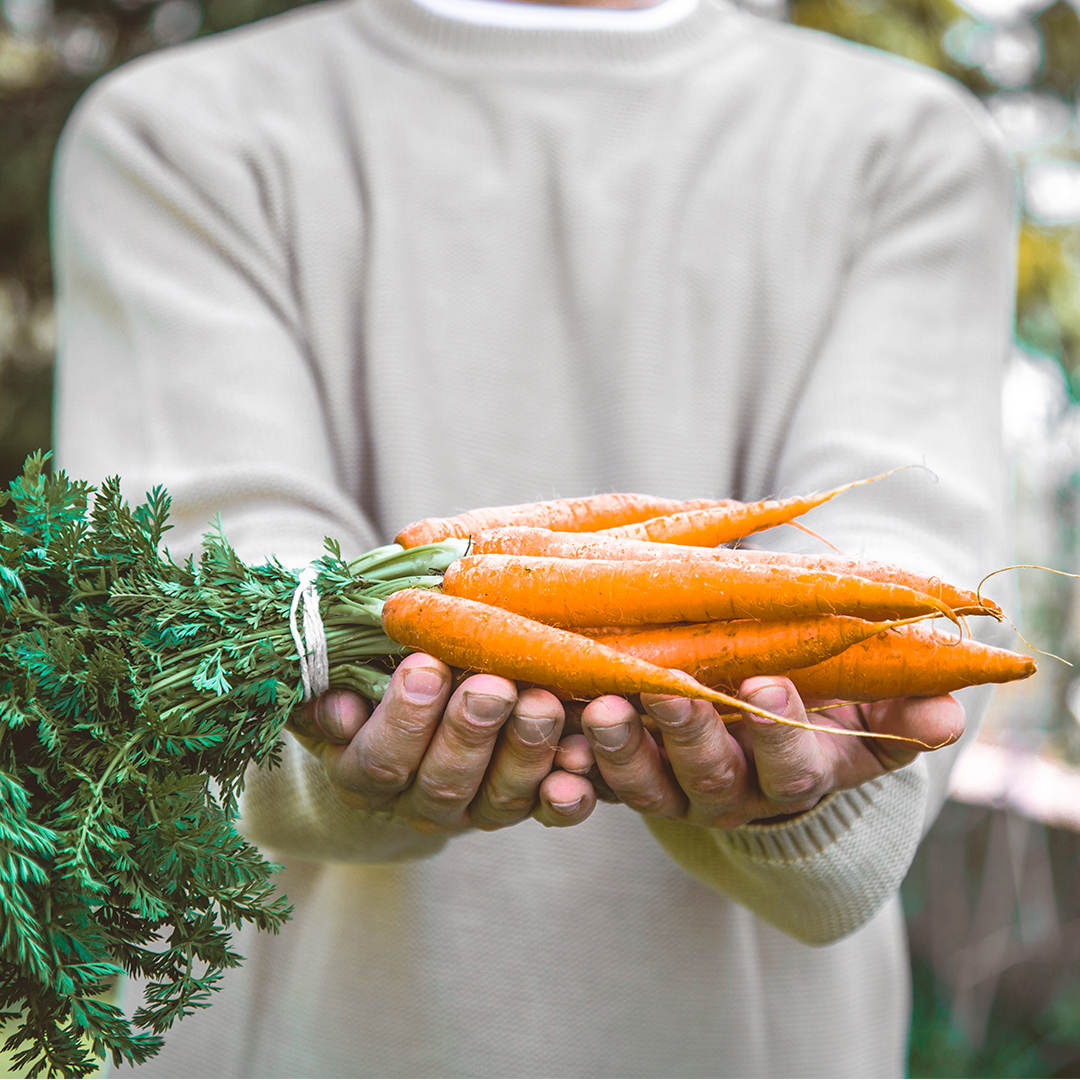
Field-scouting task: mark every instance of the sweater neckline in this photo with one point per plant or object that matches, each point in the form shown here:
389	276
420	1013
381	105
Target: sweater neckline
528	15
413	28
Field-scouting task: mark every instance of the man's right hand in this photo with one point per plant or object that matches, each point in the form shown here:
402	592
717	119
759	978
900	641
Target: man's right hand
445	760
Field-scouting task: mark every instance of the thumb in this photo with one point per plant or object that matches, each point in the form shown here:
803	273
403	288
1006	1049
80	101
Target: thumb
335	717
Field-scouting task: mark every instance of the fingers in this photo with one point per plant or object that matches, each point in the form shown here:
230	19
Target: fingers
565	799
445	759
707	761
796	768
936	721
458	755
328	722
760	770
773	770
793	769
385	753
523	756
629	759
575	755
340	714
334	717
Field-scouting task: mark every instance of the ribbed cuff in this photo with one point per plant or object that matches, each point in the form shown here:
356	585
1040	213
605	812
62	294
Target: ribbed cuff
822	875
808	834
292	811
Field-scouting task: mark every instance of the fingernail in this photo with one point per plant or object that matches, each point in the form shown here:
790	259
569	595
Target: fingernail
486	708
671	711
567	807
422	685
534	730
611	738
328	715
772	698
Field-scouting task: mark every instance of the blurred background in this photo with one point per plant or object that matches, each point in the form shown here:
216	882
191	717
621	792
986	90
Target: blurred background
993	900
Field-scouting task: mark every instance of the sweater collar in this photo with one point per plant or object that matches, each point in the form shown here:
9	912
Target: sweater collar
419	29
527	15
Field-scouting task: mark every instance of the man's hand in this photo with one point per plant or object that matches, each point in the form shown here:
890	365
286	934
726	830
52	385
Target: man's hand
446	759
705	772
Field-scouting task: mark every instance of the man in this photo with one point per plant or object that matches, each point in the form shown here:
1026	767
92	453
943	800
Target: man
384	259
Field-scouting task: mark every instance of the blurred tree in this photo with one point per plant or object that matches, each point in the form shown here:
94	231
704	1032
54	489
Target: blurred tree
1059	28
49	54
911	28
1023	60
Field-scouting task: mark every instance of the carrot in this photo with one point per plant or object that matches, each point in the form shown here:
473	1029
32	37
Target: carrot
478	637
725	653
710	526
523	540
607	592
912	661
590	513
474	636
961	601
520	540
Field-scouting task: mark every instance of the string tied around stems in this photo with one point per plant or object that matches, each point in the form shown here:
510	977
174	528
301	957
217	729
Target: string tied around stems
311	646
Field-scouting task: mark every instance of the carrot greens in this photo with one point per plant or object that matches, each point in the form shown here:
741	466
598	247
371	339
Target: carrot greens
134	692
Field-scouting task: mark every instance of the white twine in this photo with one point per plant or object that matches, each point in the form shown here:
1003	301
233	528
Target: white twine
311	648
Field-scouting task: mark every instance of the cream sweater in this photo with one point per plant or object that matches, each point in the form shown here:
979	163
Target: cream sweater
365	263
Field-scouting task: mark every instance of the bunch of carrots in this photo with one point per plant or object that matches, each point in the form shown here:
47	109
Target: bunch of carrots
628	594
135	691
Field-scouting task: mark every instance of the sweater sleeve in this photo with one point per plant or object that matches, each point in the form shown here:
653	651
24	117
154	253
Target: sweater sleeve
183	361
908	374
184	357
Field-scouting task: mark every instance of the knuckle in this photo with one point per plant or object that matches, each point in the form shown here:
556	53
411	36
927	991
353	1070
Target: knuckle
645	802
442	791
508	804
717	784
797	787
380	776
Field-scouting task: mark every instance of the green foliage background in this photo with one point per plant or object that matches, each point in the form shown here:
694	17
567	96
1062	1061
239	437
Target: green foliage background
43	70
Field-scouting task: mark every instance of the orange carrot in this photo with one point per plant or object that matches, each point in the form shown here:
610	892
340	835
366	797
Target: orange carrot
607	592
590	513
478	637
912	661
720	525
520	540
725	653
523	540
961	601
